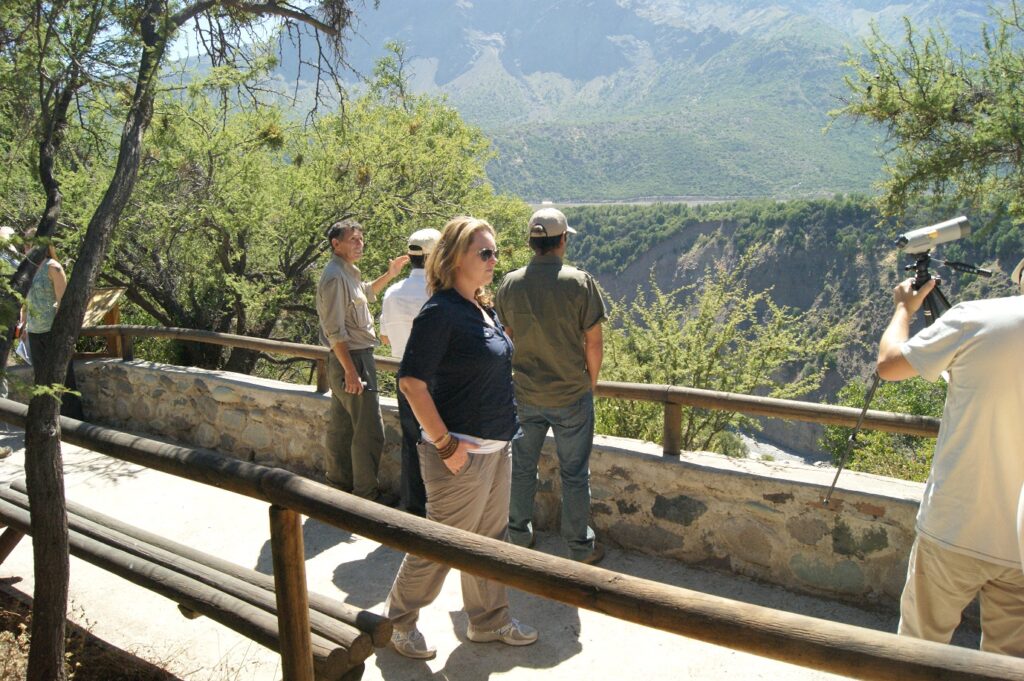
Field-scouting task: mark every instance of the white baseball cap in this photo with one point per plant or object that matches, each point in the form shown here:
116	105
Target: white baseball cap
423	241
1016	276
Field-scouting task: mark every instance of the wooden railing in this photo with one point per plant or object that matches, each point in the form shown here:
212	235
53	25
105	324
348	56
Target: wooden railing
797	639
673	398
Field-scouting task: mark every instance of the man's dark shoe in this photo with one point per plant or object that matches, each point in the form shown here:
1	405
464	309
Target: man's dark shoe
527	545
595	556
387	499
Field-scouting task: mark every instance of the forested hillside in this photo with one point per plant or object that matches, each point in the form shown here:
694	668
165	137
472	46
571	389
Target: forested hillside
614	99
845	232
833	259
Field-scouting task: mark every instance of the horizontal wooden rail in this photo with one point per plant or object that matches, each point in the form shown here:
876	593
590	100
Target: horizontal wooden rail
212	337
377	627
793	410
793	638
199	567
332	660
671	396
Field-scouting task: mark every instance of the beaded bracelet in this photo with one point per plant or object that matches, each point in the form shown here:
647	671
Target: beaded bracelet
449	449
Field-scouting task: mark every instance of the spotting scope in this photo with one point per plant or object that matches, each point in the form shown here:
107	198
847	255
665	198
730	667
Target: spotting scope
924	239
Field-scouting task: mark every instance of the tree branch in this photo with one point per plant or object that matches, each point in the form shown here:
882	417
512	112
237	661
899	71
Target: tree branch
274	9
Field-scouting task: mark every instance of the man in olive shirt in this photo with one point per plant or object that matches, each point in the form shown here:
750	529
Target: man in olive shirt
355	434
553	312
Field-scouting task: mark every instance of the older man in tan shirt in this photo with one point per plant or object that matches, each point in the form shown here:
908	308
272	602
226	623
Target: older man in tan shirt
355	434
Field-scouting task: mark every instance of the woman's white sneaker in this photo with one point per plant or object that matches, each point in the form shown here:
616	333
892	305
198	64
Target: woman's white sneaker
412	644
512	634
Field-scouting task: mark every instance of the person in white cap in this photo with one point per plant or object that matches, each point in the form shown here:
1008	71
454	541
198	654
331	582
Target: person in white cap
553	312
402	302
967	541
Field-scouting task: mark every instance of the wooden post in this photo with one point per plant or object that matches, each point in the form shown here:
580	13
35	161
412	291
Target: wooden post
113	318
8	540
127	348
672	433
292	600
321	376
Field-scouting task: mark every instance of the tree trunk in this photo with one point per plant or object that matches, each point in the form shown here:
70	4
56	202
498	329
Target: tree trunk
43	461
43	455
242	361
43	475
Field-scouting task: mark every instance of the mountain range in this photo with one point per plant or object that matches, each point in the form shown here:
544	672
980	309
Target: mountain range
596	100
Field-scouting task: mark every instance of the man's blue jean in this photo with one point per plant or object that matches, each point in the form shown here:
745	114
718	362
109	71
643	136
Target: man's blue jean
573	427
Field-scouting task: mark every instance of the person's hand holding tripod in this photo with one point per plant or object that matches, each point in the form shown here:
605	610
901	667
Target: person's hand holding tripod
912	299
892	366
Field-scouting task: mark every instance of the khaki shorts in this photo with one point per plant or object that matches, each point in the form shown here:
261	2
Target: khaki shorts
941	583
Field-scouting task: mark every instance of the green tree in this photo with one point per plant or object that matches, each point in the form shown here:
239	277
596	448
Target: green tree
62	54
225	230
954	118
891	454
729	339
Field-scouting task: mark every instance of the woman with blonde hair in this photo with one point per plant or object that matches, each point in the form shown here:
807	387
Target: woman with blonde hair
41	303
457	376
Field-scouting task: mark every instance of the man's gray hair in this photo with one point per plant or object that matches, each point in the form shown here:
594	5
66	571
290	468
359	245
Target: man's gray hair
339	229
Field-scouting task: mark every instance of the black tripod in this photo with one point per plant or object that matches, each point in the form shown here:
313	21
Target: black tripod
935	305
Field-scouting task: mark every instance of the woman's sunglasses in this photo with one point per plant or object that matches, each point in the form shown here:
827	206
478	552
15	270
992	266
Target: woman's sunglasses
488	253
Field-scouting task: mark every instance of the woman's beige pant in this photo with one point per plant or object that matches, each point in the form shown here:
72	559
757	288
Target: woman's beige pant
475	500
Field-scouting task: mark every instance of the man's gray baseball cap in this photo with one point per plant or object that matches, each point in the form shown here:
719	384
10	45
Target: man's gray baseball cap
549	222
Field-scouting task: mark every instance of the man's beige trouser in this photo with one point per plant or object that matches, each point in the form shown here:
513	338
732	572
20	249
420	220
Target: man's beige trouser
355	431
940	584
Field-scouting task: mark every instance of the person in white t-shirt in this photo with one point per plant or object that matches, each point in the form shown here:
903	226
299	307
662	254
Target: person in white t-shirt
967	541
402	302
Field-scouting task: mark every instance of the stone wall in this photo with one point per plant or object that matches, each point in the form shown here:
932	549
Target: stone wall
760	519
259	420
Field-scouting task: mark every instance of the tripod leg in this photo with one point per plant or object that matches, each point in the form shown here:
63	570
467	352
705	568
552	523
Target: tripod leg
942	303
932	309
852	439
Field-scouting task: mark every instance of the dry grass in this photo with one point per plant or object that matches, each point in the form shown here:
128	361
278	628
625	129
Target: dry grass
13	652
88	658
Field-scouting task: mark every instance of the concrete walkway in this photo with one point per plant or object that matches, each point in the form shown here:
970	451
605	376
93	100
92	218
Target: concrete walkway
574	644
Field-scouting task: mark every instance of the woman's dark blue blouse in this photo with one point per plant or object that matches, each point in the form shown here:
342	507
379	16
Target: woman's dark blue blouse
467	365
